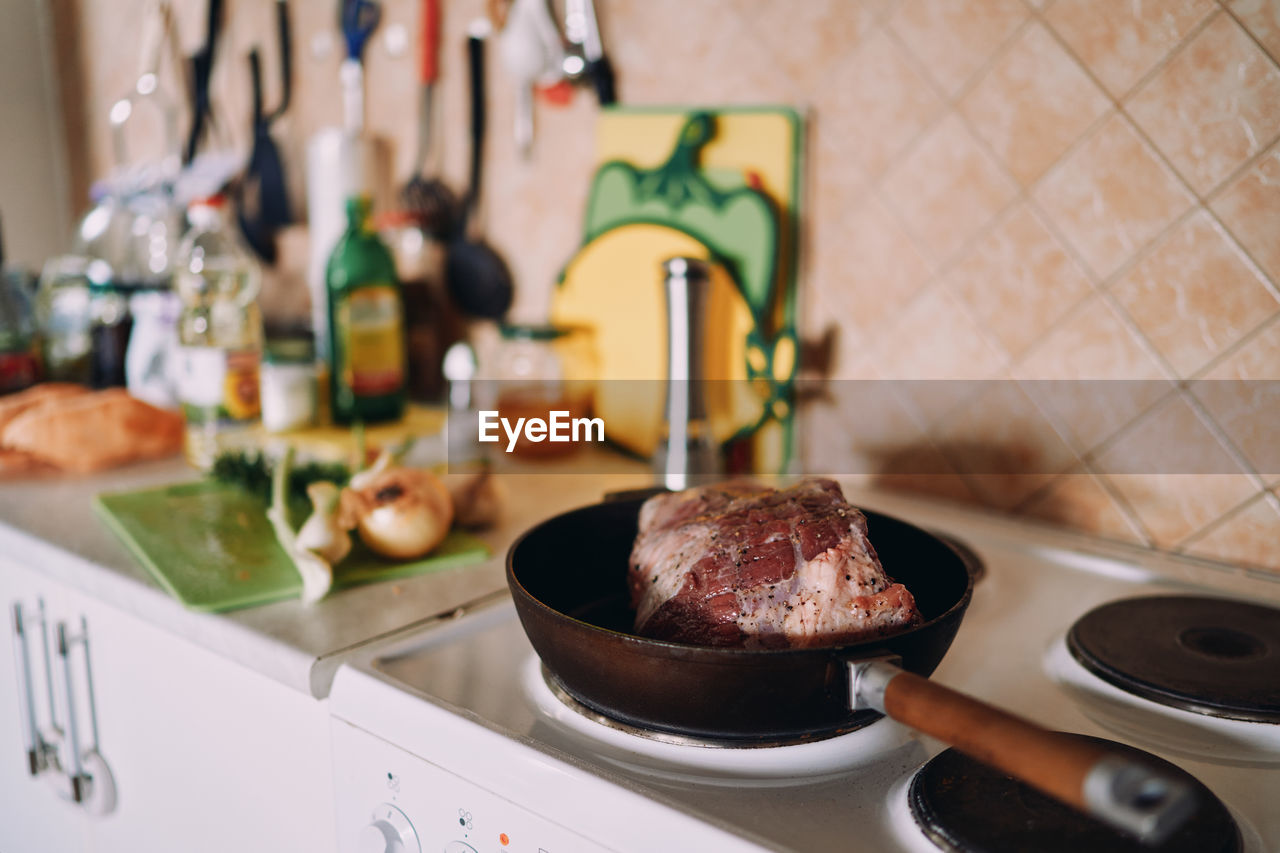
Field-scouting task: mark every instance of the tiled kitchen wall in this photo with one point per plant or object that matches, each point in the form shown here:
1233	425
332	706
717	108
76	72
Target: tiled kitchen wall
997	189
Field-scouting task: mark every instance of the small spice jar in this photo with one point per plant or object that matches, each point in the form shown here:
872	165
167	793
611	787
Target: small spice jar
288	384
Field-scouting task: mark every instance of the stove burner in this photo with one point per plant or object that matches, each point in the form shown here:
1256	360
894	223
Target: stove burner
578	707
1211	656
964	806
733	763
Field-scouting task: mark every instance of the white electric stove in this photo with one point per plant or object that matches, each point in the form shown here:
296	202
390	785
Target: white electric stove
454	738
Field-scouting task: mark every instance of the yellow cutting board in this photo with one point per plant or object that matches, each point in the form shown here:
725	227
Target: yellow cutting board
614	283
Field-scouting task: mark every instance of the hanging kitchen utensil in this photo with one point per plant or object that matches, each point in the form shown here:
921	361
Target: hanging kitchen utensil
532	52
576	612
263	199
157	30
357	19
585	57
201	72
429	199
342	162
478	279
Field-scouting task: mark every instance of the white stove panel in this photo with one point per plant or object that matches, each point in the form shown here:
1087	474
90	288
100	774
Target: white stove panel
527	797
421	806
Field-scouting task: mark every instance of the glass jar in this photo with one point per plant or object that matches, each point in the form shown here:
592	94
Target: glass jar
63	319
288	384
533	370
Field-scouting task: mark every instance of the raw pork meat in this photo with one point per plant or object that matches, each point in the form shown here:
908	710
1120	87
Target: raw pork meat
739	564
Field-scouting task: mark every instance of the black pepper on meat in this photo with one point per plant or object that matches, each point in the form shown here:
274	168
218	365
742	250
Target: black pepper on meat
806	538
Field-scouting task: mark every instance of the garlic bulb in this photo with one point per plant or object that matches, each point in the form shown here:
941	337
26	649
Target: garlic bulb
322	533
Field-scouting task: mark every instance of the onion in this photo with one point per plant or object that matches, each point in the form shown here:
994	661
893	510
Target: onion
404	512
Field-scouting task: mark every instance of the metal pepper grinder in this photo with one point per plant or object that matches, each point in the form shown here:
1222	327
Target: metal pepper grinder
686	453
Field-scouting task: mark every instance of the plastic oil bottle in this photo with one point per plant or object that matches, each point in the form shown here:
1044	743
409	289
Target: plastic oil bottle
219	335
367	370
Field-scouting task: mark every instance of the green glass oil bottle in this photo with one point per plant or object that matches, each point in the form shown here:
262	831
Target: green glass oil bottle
366	325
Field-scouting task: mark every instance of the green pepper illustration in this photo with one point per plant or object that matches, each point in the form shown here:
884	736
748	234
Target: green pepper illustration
737	224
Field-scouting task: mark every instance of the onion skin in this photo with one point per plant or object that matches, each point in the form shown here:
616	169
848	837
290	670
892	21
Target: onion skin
404	513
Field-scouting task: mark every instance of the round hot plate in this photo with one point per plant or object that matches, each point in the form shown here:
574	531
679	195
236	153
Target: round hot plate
1213	656
964	806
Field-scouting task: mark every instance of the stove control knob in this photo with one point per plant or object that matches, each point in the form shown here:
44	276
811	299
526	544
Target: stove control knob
390	832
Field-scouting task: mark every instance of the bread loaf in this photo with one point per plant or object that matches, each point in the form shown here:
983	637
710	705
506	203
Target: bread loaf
92	431
15	463
13	405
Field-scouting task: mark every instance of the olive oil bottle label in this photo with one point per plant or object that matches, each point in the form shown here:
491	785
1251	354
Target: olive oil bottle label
218	385
369	327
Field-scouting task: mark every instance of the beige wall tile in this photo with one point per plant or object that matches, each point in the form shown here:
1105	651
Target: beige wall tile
947	188
1018	280
1258	358
955	38
1078	500
1004	445
1174	506
1262	18
950	487
934	338
1213	105
1111	195
662	53
1121	41
881	102
1174	473
1091	375
1247	538
824	235
1250	208
1242	393
813	34
878	268
1033	103
1195	294
1091	343
864	426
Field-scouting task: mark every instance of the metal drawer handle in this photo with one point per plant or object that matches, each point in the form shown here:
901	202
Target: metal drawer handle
41	747
88	780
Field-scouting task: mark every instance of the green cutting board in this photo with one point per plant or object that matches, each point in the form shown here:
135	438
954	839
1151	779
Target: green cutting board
210	545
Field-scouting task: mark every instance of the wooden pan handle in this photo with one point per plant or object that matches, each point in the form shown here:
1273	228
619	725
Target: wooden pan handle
1104	784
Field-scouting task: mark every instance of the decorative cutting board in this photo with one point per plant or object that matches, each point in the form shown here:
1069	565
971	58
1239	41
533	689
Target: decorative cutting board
210	546
722	184
625	315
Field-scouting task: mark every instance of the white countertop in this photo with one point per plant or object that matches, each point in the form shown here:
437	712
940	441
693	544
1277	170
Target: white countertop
48	525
